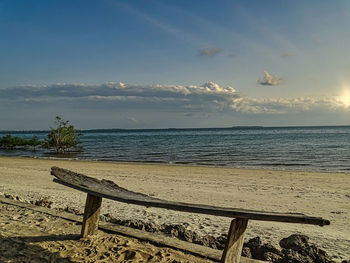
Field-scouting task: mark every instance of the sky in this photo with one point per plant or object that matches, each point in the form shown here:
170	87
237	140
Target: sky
174	64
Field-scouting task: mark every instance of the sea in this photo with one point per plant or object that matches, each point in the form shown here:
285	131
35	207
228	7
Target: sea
283	148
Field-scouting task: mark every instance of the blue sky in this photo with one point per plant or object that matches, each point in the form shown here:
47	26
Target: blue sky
159	64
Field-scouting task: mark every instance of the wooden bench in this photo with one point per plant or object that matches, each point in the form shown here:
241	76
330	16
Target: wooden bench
98	189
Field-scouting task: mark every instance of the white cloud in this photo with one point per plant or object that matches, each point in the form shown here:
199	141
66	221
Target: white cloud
132	120
209	95
270	80
287	105
206	98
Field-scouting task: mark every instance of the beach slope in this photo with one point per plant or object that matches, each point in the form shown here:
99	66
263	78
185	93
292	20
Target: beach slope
313	193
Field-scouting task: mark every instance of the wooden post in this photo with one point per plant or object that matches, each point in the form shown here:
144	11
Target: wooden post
91	215
234	244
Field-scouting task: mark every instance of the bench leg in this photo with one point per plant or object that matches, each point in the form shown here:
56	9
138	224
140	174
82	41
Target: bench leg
91	215
234	244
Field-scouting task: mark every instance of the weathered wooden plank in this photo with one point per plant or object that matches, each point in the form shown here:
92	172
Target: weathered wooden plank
91	215
160	239
110	190
155	238
234	243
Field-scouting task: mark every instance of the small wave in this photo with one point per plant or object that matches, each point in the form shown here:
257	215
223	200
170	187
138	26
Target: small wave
283	164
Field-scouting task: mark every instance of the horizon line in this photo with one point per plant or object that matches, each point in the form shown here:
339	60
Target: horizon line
173	128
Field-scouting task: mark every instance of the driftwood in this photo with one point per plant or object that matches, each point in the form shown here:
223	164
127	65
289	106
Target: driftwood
110	190
98	189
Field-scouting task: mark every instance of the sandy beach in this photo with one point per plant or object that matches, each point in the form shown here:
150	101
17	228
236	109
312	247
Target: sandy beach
29	236
313	193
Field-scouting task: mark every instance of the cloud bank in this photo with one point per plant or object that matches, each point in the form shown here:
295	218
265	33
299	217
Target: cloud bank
209	97
270	80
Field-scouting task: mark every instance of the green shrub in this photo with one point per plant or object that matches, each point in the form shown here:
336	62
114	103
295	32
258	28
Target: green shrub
63	138
14	142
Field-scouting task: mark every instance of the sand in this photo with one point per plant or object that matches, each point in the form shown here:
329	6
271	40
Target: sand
29	236
313	193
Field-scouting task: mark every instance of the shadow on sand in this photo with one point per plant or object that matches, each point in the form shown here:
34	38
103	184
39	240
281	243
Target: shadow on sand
24	249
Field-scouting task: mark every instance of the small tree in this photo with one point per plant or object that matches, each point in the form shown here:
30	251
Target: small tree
63	138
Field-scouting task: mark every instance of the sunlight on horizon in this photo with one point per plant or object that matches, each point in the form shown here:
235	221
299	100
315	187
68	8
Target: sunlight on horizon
345	97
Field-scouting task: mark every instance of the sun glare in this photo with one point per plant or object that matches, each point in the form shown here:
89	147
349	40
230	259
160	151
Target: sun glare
345	97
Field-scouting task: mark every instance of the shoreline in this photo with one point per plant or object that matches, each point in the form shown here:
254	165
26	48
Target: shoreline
179	164
312	193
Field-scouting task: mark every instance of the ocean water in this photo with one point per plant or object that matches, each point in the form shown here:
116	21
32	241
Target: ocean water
287	148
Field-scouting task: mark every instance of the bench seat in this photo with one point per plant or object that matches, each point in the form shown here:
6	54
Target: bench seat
97	189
